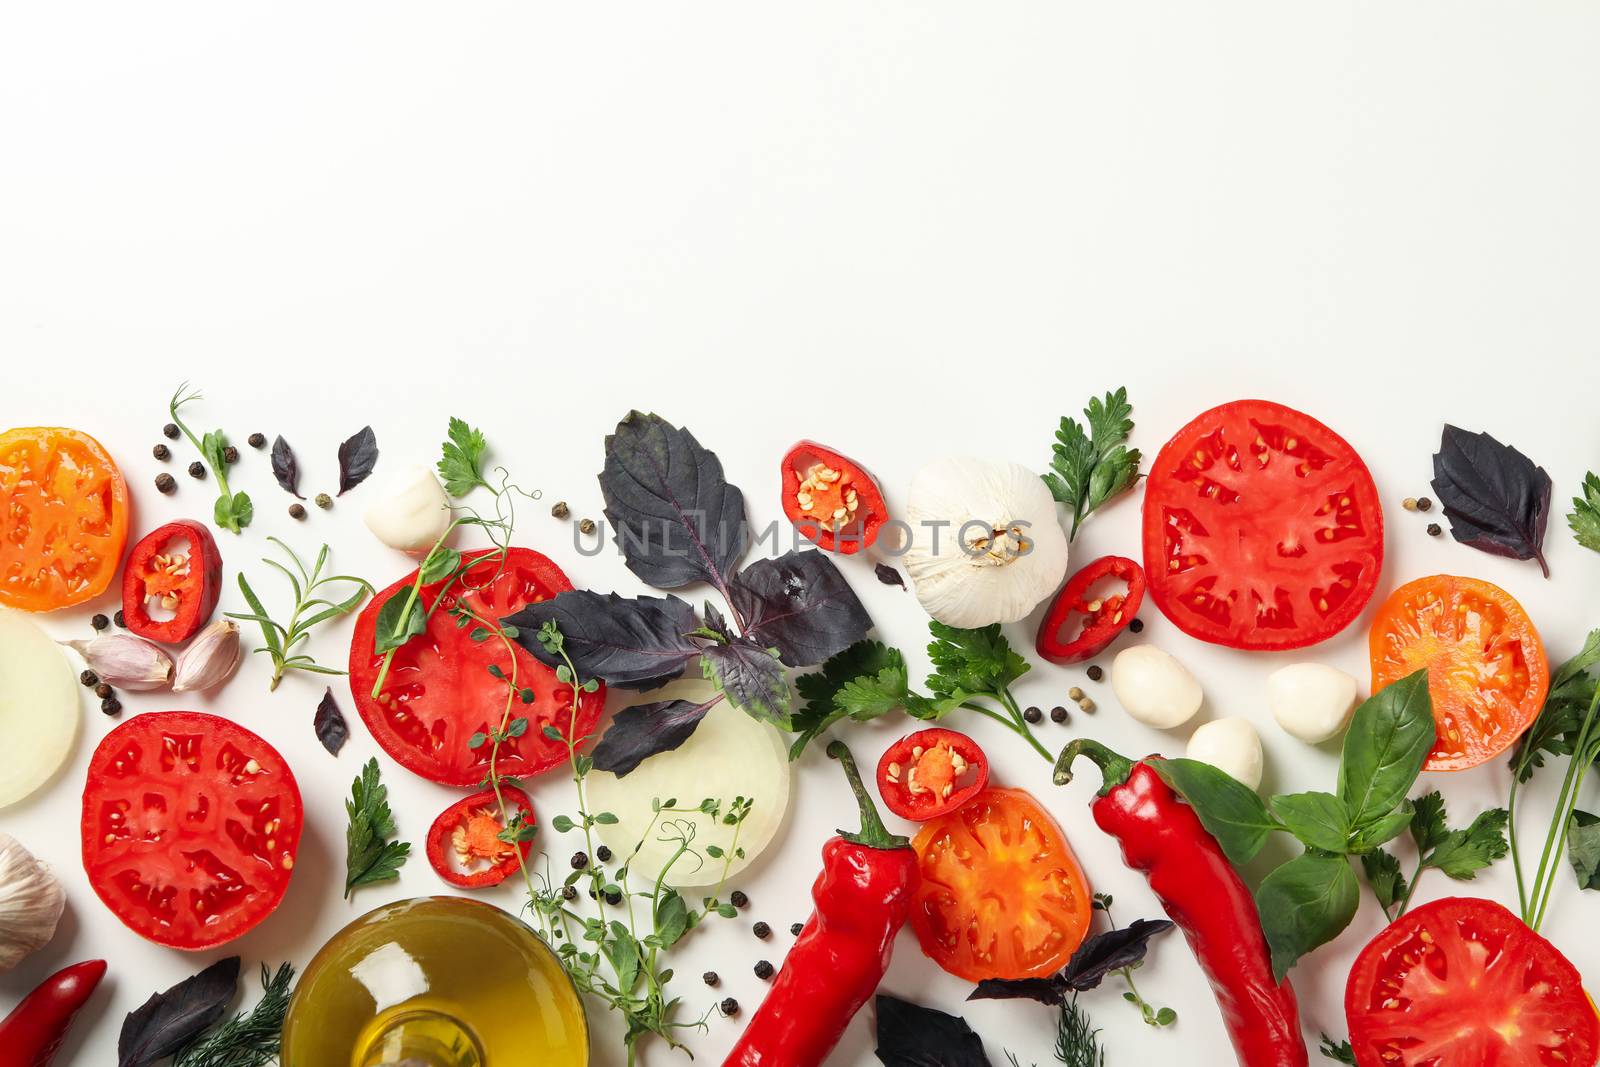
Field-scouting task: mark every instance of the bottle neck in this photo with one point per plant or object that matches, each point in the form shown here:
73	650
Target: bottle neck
424	1039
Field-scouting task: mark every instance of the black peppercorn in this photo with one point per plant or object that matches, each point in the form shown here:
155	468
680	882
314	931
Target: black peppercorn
1058	714
197	469
297	511
111	706
258	440
1434	529
710	978
613	897
103	690
796	928
730	1007
166	483
763	970
738	899
761	930
603	854
1095	671
324	501
1136	626
586	526
560	511
171	431
230	455
1424	504
161	452
89	678
99	622
569	892
580	860
119	619
1033	715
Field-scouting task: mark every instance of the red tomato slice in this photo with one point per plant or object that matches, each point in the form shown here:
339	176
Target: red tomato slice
439	691
464	847
1461	982
1262	528
184	585
1002	895
930	773
190	827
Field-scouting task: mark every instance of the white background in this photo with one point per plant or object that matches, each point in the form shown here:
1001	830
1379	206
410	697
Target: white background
906	230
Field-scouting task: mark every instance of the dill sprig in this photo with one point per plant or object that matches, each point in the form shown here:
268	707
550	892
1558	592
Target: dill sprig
248	1039
1077	1040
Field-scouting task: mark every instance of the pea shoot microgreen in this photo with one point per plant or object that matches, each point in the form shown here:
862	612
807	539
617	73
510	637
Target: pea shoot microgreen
233	511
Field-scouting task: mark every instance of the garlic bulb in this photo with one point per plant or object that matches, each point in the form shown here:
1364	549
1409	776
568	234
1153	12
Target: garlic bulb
124	661
31	901
210	659
986	545
412	513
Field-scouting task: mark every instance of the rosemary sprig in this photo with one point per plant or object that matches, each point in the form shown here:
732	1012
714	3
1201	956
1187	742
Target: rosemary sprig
233	511
281	638
246	1040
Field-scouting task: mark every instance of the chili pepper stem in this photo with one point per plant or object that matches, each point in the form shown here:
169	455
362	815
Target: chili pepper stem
1115	768
873	834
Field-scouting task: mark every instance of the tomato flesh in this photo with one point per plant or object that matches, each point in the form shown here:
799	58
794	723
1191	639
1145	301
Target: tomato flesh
1461	982
161	576
1262	528
1104	616
1002	895
930	773
439	690
64	517
831	499
190	827
463	843
1487	671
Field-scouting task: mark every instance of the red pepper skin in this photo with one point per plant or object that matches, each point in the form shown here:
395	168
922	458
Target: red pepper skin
31	1035
871	512
202	590
1102	625
1199	889
894	785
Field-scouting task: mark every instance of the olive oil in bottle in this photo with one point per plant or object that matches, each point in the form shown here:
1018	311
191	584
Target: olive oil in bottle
435	982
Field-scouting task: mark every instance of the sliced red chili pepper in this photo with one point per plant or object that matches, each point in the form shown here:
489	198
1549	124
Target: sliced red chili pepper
831	499
931	773
181	584
464	844
1104	616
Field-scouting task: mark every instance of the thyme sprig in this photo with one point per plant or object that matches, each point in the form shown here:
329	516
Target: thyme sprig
281	638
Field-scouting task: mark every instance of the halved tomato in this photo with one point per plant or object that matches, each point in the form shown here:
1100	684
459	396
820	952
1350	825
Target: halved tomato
1487	671
64	512
464	843
1461	982
1262	528
1002	895
439	690
190	827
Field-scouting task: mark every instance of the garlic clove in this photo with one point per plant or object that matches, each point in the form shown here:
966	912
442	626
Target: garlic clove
412	513
126	662
31	902
210	659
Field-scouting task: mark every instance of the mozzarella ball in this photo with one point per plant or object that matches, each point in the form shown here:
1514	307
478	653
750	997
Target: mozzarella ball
1312	701
412	513
1155	688
1230	745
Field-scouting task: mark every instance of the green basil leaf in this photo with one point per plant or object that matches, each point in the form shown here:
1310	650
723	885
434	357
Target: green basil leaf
1305	903
442	564
1229	810
395	625
1384	830
1319	820
1388	742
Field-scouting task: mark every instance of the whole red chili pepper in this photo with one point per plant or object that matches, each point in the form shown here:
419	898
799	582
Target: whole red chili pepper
32	1033
863	896
1161	836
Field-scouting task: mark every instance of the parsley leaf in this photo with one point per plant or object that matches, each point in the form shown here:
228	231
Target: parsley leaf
1090	466
369	856
1463	853
973	662
1383	875
1459	854
1340	1052
863	682
1585	517
1555	731
461	464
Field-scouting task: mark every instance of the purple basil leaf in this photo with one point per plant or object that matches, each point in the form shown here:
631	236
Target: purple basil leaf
357	457
165	1023
910	1035
715	622
1497	499
675	517
1050	990
637	643
331	728
753	678
284	467
888	575
642	731
801	605
1110	951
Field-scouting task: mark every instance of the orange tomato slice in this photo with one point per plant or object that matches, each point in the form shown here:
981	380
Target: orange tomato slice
64	513
1002	895
1487	671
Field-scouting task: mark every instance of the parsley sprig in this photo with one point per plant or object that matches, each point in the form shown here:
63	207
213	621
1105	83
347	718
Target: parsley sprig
232	511
1585	516
370	857
1458	854
1089	466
